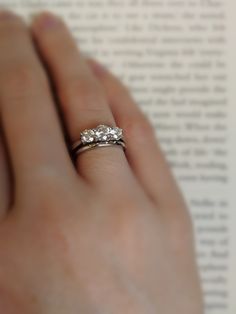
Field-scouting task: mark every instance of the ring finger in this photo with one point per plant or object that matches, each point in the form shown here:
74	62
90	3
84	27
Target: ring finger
83	101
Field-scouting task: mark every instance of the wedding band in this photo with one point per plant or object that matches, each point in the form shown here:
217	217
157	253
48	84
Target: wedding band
101	136
99	144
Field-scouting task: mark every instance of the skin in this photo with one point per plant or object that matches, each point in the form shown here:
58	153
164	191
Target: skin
110	234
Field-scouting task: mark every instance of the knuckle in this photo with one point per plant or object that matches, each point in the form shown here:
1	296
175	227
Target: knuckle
126	91
129	204
121	89
50	185
87	93
23	79
121	93
81	88
139	126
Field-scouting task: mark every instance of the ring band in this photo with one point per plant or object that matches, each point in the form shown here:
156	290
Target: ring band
101	136
82	148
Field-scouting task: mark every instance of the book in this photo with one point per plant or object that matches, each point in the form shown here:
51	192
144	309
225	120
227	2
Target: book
178	57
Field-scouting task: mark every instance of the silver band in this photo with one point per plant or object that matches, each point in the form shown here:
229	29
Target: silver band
82	148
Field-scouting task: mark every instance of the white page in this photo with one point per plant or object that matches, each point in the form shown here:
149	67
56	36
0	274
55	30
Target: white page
231	9
178	58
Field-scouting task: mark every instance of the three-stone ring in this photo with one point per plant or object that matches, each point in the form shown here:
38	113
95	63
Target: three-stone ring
101	136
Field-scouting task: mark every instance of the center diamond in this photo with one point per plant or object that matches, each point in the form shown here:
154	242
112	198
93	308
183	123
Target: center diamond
102	133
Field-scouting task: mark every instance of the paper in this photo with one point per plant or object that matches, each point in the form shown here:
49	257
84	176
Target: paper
178	58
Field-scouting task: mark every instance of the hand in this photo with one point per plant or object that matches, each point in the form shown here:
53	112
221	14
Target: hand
111	234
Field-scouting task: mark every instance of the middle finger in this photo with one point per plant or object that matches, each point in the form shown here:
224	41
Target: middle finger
31	125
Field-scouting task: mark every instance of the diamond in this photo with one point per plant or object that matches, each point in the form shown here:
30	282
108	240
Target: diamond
87	136
101	133
116	133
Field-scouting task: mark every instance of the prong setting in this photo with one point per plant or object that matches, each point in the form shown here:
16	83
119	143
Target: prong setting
102	133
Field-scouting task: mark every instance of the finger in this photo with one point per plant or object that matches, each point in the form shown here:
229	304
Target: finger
4	180
30	121
82	99
143	152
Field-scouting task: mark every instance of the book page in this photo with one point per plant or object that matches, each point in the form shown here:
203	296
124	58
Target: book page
178	58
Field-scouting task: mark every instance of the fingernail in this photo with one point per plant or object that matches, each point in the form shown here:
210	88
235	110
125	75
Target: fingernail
47	20
5	14
97	67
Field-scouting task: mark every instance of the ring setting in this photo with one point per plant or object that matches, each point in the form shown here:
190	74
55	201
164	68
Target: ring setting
101	136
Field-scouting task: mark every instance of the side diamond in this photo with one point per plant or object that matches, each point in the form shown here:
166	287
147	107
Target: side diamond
116	133
87	136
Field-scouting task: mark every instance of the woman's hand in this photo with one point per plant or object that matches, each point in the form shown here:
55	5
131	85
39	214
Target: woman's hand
111	235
